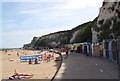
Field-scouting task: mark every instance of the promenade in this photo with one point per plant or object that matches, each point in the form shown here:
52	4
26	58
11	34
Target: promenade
80	66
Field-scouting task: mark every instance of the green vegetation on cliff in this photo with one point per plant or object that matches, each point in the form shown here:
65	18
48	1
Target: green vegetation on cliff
109	30
85	33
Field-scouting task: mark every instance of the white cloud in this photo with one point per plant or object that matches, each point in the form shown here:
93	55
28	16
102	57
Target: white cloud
32	12
75	4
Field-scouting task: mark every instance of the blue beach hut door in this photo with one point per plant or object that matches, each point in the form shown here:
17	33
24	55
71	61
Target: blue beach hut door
85	49
110	50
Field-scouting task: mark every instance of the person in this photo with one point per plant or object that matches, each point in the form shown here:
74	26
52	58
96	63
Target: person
6	52
45	57
62	49
72	49
30	61
15	77
17	54
48	58
20	74
52	56
67	51
57	58
36	60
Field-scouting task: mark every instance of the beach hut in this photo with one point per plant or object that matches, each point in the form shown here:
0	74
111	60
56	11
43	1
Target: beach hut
76	45
114	50
81	47
105	45
96	49
85	49
67	45
104	50
110	49
118	49
92	49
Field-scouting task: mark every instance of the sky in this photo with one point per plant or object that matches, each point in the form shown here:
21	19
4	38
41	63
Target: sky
23	20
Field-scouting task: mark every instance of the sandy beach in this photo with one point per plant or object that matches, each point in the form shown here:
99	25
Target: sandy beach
11	61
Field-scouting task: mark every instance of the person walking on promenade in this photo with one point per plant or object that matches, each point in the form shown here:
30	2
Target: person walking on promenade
67	52
62	49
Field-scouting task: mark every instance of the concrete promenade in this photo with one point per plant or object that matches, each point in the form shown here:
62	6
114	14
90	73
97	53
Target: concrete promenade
80	66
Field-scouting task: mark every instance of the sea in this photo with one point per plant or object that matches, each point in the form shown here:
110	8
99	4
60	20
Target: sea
8	48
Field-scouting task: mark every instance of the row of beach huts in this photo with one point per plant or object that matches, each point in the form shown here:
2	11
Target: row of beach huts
109	49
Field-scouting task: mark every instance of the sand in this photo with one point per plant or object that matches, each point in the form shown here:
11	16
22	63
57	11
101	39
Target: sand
11	61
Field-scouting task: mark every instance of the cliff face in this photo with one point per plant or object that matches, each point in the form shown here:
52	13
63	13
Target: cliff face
81	33
51	40
105	26
108	22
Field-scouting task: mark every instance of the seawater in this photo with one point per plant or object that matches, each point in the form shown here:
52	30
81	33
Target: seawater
7	48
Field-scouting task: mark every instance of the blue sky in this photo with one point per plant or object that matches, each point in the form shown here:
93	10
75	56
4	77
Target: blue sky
21	21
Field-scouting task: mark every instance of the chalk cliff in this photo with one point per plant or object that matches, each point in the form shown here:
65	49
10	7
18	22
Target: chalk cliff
108	21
